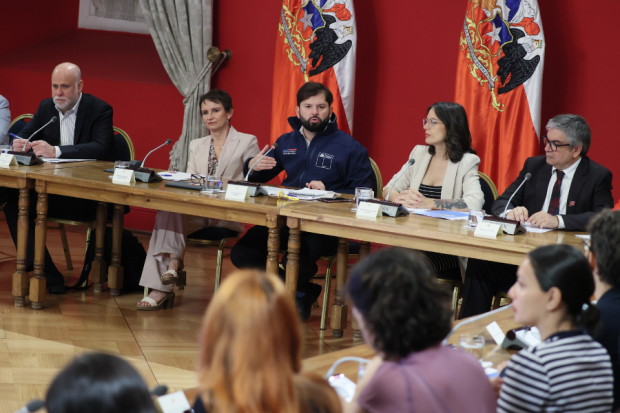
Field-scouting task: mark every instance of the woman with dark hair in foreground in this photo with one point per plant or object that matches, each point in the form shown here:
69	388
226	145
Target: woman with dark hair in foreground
568	370
404	315
99	383
250	352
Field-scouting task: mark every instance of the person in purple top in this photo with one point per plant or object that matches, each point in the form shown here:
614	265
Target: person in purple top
404	315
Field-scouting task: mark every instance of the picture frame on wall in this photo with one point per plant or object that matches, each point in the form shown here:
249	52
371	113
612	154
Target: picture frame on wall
112	15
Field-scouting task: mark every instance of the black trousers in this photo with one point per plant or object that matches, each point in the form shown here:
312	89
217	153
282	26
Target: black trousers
483	279
60	207
251	252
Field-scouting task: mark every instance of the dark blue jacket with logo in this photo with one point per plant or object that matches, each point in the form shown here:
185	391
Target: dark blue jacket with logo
333	157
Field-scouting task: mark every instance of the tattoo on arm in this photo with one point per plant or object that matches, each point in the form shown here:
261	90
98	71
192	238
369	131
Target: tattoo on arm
450	204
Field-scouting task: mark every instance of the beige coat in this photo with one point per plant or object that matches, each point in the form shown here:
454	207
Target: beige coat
171	228
460	182
238	147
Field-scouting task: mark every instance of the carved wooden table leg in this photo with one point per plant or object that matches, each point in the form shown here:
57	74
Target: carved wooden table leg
338	320
292	261
274	223
38	284
357	334
20	276
99	270
115	271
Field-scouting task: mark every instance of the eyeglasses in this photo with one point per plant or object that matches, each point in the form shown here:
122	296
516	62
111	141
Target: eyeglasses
554	146
201	180
433	122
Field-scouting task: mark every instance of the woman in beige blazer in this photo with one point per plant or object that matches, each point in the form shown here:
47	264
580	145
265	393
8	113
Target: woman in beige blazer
446	167
222	153
445	172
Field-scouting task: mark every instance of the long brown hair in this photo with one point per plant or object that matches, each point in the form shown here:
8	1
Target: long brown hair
250	347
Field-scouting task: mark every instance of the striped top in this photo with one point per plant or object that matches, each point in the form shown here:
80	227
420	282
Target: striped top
567	372
432	192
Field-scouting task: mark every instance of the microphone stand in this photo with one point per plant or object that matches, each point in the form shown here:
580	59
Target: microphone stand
29	159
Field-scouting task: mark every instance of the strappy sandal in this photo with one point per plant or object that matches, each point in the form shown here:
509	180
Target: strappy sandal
166	302
174	277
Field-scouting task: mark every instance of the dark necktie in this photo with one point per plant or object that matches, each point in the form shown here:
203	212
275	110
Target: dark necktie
554	205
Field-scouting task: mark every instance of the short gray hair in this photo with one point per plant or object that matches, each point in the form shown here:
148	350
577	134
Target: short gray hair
575	128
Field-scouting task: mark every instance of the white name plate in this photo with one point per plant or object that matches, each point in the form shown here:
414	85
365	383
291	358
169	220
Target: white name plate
488	229
237	192
496	332
123	176
368	210
7	160
174	403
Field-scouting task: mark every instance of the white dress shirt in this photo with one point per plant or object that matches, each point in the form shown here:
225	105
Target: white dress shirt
564	189
67	126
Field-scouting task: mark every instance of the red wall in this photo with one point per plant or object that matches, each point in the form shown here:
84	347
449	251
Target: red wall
406	60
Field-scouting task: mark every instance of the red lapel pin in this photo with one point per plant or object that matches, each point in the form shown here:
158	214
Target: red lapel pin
571	203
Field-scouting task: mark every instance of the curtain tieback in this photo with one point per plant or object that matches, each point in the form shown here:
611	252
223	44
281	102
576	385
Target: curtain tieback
197	81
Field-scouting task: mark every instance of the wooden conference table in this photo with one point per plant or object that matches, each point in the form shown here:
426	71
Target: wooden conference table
91	182
413	231
19	177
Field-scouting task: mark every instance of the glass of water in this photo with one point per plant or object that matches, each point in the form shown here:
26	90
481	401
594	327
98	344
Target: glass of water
121	164
475	217
213	183
473	345
362	193
5	148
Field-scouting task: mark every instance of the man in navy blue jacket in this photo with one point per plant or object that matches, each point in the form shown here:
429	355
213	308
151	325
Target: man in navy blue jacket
315	155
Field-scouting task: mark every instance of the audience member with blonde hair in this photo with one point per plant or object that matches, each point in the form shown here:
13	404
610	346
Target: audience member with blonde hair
250	352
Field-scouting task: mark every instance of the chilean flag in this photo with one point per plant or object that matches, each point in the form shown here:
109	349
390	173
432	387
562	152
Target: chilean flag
499	82
316	42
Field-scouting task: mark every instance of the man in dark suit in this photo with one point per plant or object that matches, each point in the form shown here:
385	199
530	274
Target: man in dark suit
83	131
565	191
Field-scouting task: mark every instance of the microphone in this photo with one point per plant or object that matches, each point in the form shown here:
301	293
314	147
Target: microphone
159	390
527	176
409	163
54	119
168	142
32	406
275	145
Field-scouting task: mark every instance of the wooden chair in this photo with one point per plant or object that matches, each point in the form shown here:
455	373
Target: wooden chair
499	300
354	247
490	195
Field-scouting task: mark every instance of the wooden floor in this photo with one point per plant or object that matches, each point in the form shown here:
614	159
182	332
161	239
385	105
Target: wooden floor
162	345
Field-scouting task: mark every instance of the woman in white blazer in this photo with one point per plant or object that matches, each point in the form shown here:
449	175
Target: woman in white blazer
222	153
445	172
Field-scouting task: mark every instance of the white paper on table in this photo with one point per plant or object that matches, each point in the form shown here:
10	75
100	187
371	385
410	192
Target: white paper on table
530	228
176	176
531	337
417	210
587	236
448	215
59	160
303	194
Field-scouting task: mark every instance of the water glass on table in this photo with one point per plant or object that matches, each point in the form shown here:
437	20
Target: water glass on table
212	184
121	164
475	217
5	148
473	345
362	193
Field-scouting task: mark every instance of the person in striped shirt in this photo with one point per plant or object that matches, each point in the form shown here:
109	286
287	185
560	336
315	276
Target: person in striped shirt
568	370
